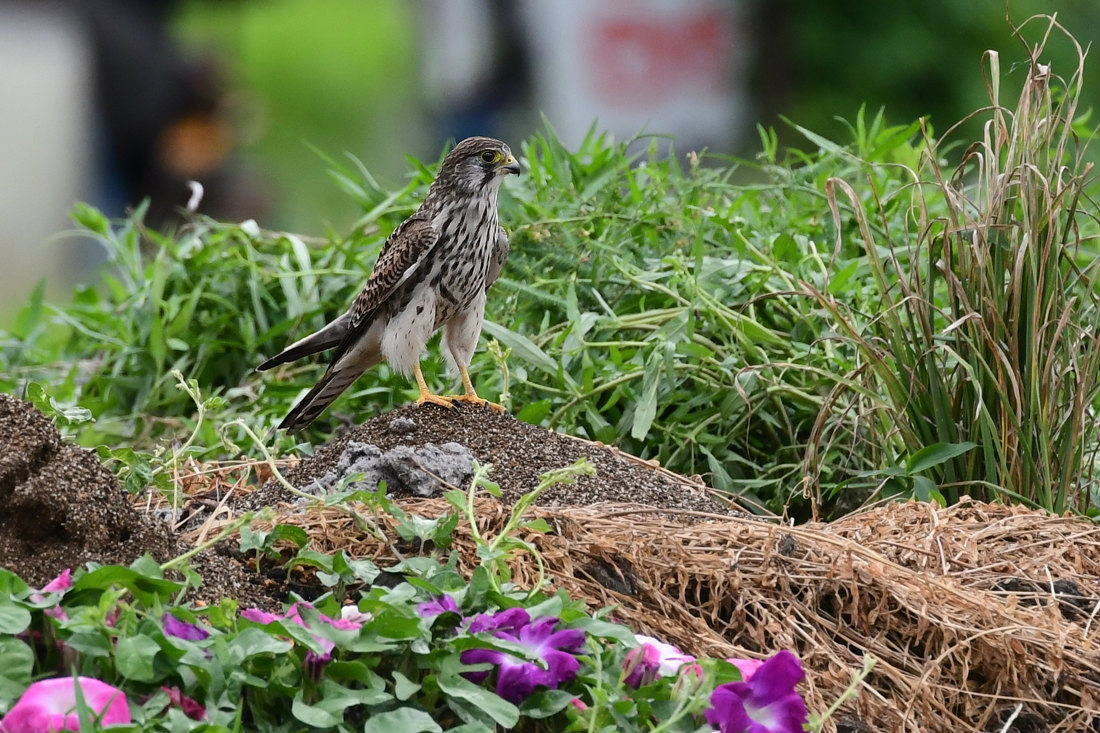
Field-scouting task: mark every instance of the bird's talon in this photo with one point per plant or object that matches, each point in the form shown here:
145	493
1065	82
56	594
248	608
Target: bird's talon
436	399
473	399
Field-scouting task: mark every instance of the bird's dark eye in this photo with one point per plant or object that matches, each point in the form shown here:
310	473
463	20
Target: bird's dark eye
489	156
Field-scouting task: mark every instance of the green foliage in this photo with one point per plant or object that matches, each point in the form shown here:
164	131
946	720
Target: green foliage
987	331
704	312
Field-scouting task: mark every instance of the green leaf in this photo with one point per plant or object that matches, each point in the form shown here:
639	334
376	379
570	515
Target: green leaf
146	589
255	641
90	218
134	657
500	710
646	408
925	489
403	687
534	412
313	715
31	313
291	533
935	454
16	671
522	347
406	720
14	619
545	703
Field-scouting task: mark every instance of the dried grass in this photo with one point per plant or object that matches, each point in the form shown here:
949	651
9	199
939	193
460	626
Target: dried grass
970	611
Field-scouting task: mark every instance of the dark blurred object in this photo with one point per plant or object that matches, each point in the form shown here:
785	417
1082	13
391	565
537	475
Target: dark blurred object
163	113
477	66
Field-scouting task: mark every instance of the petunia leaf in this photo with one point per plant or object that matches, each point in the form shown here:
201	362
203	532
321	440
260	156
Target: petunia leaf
500	710
13	619
134	658
406	720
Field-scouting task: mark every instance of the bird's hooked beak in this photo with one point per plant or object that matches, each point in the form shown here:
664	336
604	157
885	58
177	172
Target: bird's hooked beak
508	165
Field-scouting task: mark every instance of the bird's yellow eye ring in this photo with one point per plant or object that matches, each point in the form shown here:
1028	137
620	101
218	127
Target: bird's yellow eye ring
489	156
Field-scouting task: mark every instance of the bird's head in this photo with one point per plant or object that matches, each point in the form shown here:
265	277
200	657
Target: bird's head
477	165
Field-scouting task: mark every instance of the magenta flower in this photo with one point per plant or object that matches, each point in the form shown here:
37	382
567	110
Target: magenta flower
510	621
50	705
642	665
191	708
765	703
61	582
313	662
182	629
441	605
257	616
518	678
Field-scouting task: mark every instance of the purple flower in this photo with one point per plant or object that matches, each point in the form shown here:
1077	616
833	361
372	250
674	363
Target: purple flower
518	678
443	604
642	665
765	703
511	621
50	705
182	629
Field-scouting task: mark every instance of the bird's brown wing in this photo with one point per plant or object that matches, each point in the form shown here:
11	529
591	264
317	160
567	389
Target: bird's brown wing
499	254
401	255
399	259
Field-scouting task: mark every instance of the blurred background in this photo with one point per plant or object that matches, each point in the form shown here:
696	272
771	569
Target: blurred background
116	101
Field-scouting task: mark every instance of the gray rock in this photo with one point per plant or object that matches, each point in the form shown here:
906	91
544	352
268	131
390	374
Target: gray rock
422	471
401	426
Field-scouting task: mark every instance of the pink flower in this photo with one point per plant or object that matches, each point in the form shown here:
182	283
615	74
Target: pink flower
747	667
670	657
689	681
766	703
578	704
50	705
255	615
61	582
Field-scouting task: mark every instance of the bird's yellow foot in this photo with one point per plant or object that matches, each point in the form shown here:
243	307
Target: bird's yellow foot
473	399
435	399
426	394
471	396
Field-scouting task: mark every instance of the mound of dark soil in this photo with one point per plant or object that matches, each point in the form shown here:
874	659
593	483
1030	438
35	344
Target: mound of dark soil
519	453
60	507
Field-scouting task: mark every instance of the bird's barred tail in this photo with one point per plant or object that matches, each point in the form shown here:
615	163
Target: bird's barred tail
331	386
327	338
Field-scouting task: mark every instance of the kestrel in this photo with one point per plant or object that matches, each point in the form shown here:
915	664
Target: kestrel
432	273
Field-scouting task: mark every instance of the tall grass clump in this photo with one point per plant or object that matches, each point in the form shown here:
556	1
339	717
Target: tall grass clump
980	366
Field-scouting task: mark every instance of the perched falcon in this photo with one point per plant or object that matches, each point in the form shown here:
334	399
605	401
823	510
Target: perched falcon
432	273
